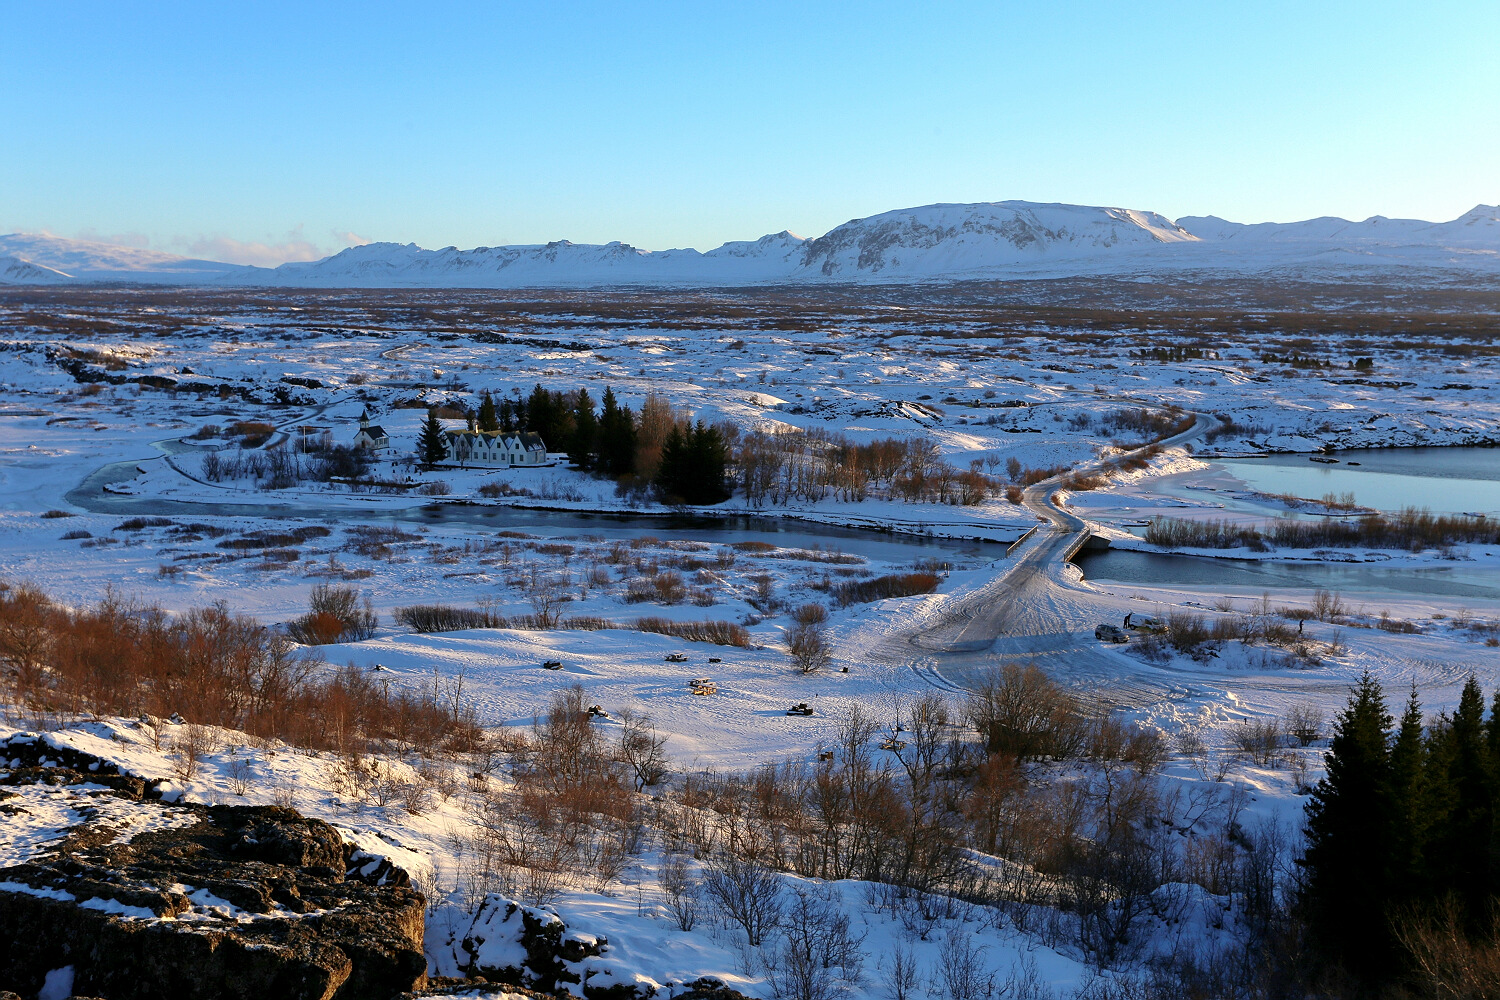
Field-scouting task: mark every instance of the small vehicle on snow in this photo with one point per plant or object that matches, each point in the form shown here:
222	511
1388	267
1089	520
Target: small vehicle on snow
1110	633
1149	625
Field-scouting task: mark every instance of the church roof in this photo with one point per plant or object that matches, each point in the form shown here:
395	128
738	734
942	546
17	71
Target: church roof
374	431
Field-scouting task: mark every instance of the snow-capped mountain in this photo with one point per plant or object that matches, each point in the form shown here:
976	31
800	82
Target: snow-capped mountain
931	243
15	271
86	260
958	239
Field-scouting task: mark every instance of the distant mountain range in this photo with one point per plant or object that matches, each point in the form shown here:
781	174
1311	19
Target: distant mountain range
1005	239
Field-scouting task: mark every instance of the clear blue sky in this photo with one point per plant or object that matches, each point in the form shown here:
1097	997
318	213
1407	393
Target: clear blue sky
300	127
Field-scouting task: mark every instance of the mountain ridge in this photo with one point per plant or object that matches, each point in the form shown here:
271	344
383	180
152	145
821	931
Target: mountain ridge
939	242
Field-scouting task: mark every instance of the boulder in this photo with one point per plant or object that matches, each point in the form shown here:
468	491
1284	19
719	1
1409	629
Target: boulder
234	902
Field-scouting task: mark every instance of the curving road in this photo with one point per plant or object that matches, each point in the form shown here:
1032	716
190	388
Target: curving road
1036	612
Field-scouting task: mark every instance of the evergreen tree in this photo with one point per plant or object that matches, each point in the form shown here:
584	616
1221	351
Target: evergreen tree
708	457
1464	832
583	443
1410	803
489	420
431	444
616	437
673	473
1348	839
539	417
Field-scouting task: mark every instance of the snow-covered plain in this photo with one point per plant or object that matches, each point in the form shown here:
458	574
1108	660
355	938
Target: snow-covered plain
985	384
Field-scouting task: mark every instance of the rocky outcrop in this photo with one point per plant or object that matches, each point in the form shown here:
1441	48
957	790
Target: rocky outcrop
233	902
528	947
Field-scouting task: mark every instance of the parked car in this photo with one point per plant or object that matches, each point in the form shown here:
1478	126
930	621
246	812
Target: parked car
1110	633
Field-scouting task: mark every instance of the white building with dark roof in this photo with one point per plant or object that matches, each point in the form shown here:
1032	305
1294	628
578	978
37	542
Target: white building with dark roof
371	437
496	449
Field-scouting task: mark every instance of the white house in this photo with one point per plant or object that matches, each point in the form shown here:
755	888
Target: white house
371	437
496	450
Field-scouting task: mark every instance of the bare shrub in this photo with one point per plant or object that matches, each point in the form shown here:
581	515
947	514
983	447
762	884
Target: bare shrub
720	633
337	615
1304	723
810	614
882	587
192	743
679	889
1258	739
962	973
1019	711
643	749
817	950
240	772
747	891
446	618
808	648
902	972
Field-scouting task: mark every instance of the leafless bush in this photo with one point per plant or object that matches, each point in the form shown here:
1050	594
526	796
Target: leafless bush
240	772
818	957
1258	739
718	632
902	972
962	973
446	618
810	614
1022	713
191	744
747	891
808	648
1328	607
1304	722
882	587
643	749
679	890
337	615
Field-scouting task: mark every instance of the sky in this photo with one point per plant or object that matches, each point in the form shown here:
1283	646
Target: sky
263	132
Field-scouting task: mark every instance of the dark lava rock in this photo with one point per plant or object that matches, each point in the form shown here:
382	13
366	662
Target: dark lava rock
259	903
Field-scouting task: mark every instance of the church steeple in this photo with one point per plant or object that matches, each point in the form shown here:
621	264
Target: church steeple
364	418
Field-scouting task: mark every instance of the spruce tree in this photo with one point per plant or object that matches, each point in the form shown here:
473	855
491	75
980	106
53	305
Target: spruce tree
539	416
1410	803
583	443
431	444
673	473
1462	837
708	458
489	420
1349	838
616	437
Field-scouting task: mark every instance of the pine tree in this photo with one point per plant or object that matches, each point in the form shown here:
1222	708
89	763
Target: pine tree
673	472
432	445
1349	838
616	437
1464	833
1410	802
708	457
489	420
583	443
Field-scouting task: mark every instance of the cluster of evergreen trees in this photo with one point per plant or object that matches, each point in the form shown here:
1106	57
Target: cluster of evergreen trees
684	462
1404	820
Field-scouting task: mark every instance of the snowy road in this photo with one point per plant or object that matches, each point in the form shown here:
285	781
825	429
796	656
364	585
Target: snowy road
1037	611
